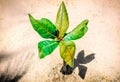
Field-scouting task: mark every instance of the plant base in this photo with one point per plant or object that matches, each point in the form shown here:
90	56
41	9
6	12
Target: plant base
66	69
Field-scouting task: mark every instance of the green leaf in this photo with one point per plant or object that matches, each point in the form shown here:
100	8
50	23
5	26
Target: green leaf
78	32
62	21
44	27
46	47
67	50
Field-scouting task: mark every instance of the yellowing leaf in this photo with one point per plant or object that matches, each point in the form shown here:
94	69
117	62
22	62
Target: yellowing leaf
78	32
67	50
46	47
62	21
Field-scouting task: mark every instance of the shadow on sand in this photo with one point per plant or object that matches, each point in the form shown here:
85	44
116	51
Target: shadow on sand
81	59
8	78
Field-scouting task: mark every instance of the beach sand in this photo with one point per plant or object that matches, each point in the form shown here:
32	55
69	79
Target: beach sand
98	50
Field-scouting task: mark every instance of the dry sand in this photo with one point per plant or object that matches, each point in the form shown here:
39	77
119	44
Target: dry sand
18	41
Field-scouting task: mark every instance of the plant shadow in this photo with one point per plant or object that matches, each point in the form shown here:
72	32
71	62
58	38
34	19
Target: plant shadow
81	59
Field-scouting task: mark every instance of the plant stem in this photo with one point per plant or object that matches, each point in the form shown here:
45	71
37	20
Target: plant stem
66	69
64	66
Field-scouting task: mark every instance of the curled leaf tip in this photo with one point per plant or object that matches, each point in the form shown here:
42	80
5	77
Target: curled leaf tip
41	56
29	15
86	21
62	2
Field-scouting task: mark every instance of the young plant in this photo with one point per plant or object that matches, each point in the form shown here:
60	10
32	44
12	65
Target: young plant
57	33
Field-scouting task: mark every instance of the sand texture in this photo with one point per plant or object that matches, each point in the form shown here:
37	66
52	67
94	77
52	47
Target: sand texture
97	55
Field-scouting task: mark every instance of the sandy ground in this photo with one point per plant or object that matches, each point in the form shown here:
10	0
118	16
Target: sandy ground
98	50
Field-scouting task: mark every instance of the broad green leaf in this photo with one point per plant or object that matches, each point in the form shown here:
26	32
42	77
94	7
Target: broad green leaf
44	27
62	21
67	50
46	47
78	32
